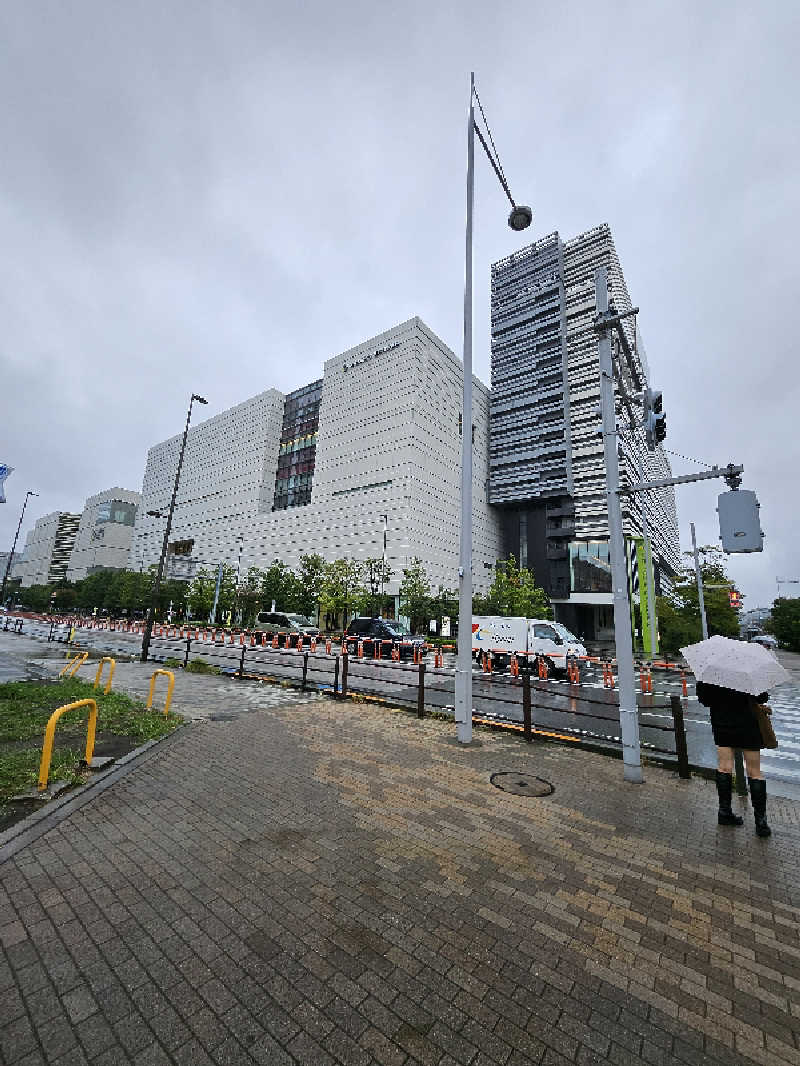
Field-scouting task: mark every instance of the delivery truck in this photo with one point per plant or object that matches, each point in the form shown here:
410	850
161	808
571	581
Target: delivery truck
500	638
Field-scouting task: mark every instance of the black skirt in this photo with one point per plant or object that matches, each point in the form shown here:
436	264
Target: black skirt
733	720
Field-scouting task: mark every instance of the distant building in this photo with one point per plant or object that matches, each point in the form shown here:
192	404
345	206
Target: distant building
48	547
547	470
318	469
104	535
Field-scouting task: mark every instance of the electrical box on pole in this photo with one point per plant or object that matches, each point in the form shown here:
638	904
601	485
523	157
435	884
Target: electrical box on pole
739	522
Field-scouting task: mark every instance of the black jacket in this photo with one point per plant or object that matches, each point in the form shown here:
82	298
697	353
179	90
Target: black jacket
733	720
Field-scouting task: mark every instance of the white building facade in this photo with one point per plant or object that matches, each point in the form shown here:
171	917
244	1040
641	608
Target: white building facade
105	532
48	547
316	471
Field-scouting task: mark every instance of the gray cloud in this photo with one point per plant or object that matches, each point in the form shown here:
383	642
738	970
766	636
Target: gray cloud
216	197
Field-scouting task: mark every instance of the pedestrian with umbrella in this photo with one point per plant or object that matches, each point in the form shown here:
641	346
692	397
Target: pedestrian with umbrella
733	681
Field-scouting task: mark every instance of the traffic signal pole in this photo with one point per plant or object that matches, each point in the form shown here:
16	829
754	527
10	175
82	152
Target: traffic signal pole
628	712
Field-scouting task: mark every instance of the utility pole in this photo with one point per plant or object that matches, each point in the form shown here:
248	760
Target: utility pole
28	494
385	518
213	617
520	217
628	711
699	575
151	614
463	679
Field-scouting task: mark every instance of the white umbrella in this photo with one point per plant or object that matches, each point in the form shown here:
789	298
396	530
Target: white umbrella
735	664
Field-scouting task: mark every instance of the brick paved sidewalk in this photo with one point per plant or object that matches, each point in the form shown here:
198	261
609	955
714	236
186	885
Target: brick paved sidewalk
338	884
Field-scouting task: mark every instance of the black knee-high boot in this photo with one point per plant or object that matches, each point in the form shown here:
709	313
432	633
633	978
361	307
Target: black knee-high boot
758	795
725	791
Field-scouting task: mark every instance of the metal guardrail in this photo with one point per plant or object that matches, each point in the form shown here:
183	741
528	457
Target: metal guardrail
533	704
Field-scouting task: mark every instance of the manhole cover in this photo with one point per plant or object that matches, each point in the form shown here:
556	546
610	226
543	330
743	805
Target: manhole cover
521	784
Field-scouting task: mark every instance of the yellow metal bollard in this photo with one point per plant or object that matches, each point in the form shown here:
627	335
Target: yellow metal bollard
75	663
50	732
113	662
170	686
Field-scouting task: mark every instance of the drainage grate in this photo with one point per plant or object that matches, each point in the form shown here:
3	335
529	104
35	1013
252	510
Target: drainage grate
521	784
222	717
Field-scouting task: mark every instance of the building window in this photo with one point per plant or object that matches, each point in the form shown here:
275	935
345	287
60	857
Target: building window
123	514
298	447
590	566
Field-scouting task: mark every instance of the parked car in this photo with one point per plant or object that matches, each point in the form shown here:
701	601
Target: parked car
765	639
272	623
500	638
370	630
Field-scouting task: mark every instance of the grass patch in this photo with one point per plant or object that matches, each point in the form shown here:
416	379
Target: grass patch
19	770
25	707
173	664
200	666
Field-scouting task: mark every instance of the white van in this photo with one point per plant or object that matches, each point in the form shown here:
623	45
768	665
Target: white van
502	637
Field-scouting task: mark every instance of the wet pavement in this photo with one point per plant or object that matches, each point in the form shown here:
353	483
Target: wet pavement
331	884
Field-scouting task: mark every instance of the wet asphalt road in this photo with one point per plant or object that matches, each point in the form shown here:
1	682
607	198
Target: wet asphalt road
589	711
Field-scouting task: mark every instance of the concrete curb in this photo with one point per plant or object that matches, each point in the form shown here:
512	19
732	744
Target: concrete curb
38	823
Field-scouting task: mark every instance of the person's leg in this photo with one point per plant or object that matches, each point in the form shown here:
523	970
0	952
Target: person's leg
725	760
758	792
752	760
725	815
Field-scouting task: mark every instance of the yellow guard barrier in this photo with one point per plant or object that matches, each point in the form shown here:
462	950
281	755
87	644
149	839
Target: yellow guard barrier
112	664
170	686
50	732
75	663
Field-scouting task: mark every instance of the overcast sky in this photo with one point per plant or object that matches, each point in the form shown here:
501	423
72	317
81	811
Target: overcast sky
216	197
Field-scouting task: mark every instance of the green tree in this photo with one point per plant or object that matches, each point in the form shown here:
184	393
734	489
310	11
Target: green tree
679	615
280	585
250	595
309	589
786	622
377	575
201	593
227	592
342	589
513	593
415	595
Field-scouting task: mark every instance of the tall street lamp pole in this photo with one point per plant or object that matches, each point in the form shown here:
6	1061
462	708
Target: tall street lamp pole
151	614
385	519
14	546
519	219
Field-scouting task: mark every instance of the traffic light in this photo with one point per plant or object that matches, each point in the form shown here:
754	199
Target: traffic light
735	598
654	419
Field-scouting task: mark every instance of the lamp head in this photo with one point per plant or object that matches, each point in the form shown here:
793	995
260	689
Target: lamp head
198	398
520	217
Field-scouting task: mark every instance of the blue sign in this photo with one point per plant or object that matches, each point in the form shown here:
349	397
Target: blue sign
4	472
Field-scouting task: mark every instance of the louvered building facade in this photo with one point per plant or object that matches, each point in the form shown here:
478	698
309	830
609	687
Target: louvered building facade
547	474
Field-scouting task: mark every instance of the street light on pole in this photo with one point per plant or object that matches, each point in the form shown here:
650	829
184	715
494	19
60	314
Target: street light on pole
519	219
385	519
240	542
28	494
151	614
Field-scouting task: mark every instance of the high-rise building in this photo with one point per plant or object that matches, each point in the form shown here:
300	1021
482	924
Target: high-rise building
48	547
374	443
547	472
104	535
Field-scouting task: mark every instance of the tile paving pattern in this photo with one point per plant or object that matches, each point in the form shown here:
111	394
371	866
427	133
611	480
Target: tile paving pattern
326	883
